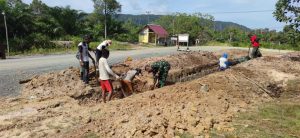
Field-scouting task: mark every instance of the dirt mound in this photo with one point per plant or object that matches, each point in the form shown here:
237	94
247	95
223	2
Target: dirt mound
295	56
184	67
192	107
181	64
68	83
63	83
179	61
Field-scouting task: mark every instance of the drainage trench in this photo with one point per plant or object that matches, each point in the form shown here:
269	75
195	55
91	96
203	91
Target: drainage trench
193	73
183	75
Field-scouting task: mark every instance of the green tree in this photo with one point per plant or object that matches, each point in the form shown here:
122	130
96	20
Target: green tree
198	26
130	32
68	20
292	36
288	11
106	9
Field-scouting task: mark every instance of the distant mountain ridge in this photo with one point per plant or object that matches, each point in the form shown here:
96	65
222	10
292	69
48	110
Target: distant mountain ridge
143	20
221	25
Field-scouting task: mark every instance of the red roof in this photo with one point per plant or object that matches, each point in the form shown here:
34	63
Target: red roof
159	30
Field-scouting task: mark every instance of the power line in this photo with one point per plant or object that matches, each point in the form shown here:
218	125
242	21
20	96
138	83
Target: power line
235	12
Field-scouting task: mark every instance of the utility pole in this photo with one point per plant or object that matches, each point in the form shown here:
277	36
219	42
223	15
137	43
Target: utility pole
148	13
105	19
6	33
173	26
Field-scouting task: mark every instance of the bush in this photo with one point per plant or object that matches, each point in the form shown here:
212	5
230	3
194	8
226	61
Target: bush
221	40
19	45
127	37
235	44
41	41
76	40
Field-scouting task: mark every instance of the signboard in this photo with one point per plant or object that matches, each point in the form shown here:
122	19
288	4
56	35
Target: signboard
183	38
174	38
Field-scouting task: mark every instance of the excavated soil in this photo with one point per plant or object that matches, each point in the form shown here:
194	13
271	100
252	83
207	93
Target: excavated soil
67	83
51	104
295	56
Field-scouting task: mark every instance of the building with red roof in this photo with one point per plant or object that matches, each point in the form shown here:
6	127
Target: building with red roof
152	33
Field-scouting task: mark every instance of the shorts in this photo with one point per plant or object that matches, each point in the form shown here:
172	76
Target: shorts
106	86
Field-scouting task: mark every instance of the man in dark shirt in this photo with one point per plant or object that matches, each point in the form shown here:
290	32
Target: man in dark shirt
84	55
160	70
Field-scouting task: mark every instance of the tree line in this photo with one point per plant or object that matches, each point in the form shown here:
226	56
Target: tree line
35	25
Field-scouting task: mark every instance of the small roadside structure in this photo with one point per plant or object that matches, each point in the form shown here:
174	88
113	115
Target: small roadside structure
154	34
174	40
183	39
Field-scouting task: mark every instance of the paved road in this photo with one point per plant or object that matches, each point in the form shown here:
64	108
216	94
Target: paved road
13	70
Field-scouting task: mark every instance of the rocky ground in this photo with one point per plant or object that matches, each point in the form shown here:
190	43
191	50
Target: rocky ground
59	105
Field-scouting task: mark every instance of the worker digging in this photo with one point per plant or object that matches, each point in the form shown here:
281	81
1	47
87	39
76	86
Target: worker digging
160	70
105	71
126	83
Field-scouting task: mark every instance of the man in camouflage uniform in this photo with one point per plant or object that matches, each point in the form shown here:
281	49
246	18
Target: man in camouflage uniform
160	70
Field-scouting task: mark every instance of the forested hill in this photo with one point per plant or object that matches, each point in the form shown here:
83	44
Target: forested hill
143	19
137	19
220	25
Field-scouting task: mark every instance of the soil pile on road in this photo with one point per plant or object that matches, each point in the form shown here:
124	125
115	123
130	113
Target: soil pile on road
51	85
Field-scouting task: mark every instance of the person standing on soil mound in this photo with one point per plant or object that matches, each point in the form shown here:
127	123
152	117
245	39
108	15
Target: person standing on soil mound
101	46
127	81
83	56
255	46
160	70
105	71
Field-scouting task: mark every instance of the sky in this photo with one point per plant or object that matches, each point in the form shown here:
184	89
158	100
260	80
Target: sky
216	8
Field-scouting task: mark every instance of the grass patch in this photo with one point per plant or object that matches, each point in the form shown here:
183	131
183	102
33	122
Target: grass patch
184	135
45	51
293	88
265	45
73	49
152	45
115	46
270	121
216	43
